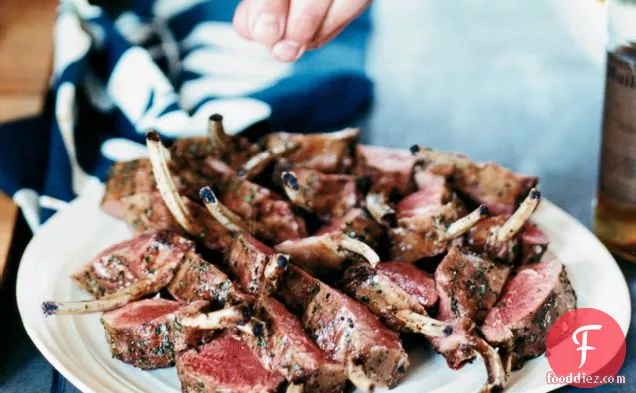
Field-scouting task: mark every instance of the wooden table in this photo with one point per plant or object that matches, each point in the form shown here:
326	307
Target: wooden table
26	47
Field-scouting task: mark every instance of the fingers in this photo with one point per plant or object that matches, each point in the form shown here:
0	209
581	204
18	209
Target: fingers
340	15
303	22
289	27
262	21
240	20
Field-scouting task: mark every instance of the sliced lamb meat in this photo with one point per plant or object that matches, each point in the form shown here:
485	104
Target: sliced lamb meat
469	285
225	365
147	211
356	224
124	179
189	172
122	264
289	350
147	334
328	152
326	195
389	174
275	217
501	237
531	302
490	184
346	331
418	284
428	220
198	279
534	244
390	171
255	265
399	293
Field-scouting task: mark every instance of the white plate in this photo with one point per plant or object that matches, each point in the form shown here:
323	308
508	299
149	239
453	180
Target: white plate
75	345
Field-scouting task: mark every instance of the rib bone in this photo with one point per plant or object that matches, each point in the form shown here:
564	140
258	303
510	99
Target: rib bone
137	290
356	375
496	373
166	185
380	210
464	224
422	324
274	271
258	162
295	388
519	218
296	193
357	247
226	217
216	132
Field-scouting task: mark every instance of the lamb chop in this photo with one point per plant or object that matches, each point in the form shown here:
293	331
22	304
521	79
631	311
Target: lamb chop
267	214
326	195
327	153
148	333
469	285
348	332
141	267
270	216
194	163
490	184
427	220
389	173
126	272
225	364
356	224
331	247
532	300
506	237
397	292
197	279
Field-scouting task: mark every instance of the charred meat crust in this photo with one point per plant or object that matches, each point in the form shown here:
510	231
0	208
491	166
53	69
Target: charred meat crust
327	152
147	334
197	279
390	287
122	264
345	329
469	284
531	302
288	349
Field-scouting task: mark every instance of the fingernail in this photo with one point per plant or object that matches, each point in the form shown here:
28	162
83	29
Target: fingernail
288	50
266	29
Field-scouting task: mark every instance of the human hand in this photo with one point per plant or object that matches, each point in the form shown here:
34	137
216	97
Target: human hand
290	27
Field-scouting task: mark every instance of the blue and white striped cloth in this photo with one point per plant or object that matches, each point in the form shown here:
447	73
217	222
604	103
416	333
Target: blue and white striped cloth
165	65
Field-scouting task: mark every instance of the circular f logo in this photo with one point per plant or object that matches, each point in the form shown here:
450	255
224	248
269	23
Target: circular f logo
586	345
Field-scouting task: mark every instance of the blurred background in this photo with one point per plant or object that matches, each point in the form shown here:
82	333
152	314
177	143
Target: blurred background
516	82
